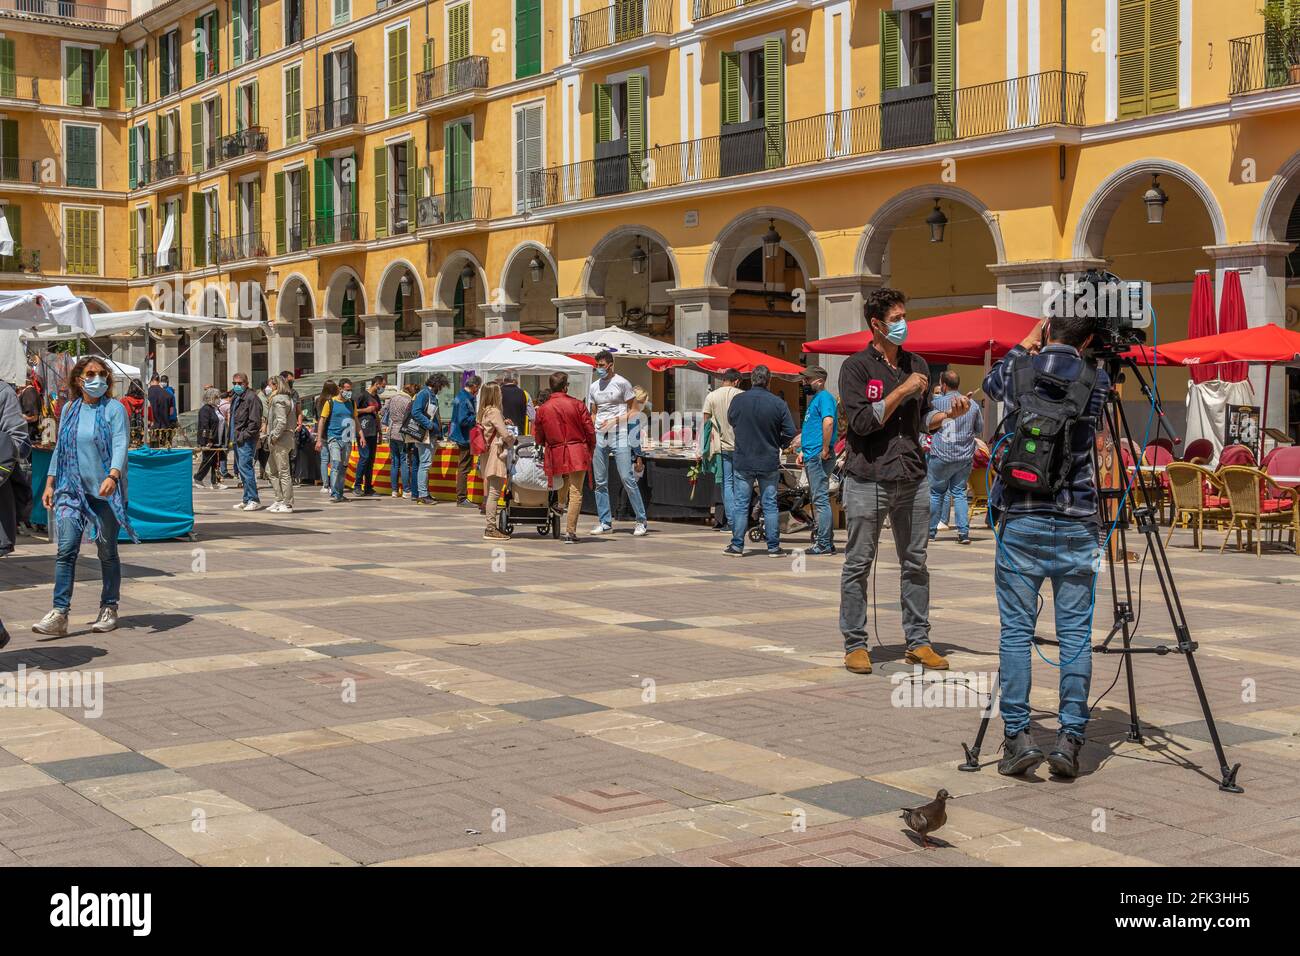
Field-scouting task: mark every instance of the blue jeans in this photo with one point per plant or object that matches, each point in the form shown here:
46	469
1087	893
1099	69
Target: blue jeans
728	493
365	466
819	487
742	490
1031	549
339	450
622	451
421	457
65	564
245	457
949	478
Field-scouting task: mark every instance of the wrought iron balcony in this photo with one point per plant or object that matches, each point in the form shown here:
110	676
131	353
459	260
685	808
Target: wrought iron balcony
704	9
471	204
332	230
251	245
336	114
1029	102
25	89
16	170
459	76
82	13
247	141
148	264
163	167
1265	61
623	20
22	260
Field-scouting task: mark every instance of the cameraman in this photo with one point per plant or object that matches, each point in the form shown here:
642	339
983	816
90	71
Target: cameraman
1048	536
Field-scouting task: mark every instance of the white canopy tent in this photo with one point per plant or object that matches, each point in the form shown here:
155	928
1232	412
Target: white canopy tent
147	319
621	343
493	357
31	308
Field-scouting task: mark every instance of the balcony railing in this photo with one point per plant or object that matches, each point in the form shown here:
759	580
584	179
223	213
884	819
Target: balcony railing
345	227
1265	61
335	114
624	20
233	145
59	10
163	167
459	205
22	260
458	76
703	9
148	263
14	86
251	245
1044	99
16	170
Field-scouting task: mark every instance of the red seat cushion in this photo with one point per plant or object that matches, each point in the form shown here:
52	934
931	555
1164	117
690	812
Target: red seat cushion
1216	501
1276	504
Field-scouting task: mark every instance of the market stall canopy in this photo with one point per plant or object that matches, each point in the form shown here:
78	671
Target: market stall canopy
959	338
512	336
725	355
50	306
111	322
491	357
619	342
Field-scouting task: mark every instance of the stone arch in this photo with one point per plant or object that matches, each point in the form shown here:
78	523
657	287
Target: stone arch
388	282
1106	199
444	288
335	288
870	255
516	266
212	296
143	304
1279	199
286	305
720	265
596	269
95	306
530	304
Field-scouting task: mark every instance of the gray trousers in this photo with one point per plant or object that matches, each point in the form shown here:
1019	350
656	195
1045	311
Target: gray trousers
866	503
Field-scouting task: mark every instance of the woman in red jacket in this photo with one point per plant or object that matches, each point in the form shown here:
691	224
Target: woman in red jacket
563	427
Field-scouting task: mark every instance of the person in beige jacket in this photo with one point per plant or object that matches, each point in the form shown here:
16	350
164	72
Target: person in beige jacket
281	422
492	465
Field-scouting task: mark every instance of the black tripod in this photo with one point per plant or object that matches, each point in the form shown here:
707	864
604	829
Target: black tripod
1117	505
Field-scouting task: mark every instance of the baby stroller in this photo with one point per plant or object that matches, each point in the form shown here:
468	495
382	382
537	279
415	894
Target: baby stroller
794	501
529	497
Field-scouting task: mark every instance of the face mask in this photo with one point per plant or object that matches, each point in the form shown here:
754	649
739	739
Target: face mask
95	387
238	389
346	394
806	389
897	332
606	371
267	389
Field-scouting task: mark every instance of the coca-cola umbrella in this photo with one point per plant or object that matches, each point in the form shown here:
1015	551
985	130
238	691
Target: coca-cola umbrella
725	355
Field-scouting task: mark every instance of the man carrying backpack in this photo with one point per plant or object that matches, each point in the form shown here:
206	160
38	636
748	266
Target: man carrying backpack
1044	504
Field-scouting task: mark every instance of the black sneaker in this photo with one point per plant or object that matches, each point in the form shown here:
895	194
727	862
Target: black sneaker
4	634
820	551
1064	757
964	539
567	538
1021	755
777	552
731	549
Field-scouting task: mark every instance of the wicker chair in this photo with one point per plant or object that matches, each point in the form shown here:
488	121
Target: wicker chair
1191	488
1253	509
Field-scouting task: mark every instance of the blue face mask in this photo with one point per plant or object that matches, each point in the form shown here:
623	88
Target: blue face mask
346	394
897	331
95	387
238	389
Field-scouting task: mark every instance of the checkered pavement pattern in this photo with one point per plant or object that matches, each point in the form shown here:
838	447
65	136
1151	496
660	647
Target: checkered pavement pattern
371	683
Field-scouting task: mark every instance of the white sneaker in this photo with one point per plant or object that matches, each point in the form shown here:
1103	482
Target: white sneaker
237	506
396	493
252	506
640	531
324	489
286	509
602	529
275	507
943	526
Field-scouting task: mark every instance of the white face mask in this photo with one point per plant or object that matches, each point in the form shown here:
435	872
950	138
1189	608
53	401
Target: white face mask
267	389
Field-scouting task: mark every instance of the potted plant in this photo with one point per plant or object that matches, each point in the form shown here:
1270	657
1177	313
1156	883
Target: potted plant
1281	47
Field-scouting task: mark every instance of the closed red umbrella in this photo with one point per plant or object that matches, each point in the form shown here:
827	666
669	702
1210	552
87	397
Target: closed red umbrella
973	337
725	355
1200	321
1232	318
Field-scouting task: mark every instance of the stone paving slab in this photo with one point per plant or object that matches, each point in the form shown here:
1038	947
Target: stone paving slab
374	684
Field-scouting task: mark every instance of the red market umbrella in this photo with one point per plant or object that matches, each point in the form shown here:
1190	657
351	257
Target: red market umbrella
1232	318
725	355
517	336
1200	321
974	337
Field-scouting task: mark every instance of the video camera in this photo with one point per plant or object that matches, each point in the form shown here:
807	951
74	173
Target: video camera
1118	307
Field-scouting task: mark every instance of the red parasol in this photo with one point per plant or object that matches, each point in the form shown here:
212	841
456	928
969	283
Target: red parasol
725	355
974	337
1232	318
517	336
1200	320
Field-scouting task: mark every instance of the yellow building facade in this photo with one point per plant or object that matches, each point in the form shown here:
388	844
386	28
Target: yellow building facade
373	178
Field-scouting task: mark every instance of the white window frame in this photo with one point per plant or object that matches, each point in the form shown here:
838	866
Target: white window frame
63	225
66	45
539	103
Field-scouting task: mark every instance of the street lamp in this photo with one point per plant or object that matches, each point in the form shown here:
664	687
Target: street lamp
638	258
771	240
300	296
1155	198
535	268
937	222
467	277
350	293
404	286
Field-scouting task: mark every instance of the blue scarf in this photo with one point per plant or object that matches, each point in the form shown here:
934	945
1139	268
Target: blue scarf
70	498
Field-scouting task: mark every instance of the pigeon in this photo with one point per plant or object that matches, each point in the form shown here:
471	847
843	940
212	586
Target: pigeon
925	820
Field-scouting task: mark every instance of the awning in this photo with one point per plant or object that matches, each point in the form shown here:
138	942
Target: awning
959	338
726	355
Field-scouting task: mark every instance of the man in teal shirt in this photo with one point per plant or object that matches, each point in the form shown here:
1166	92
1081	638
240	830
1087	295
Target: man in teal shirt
817	453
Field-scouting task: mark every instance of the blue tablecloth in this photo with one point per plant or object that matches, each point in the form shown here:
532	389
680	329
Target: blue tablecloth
159	491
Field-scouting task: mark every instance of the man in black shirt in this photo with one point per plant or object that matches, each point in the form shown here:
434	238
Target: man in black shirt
886	396
368	405
514	403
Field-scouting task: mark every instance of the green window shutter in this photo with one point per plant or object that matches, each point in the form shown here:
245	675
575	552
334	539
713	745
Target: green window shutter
241	120
458	32
128	61
144	152
90	254
133	157
8	81
72	240
133	250
428	55
142	74
256	189
214	45
774	100
729	85
1130	56
1162	55
196	136
161	129
293	100
890	50
412	185
200	58
603	116
252	104
945	69
237	32
255	14
397	66
9	150
528	38
381	192
239	211
72	76
198	221
101	79
279	214
304	200
148	234
355	191
636	129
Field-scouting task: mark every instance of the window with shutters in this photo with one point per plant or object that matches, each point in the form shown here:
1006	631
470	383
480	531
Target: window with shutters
753	106
13	220
920	45
293	103
398	187
245	30
397	69
169	63
342	11
81	155
292	21
139	155
206	41
458	39
136	76
85	76
81	240
751	100
529	157
1146	55
141	254
295	185
528	38
9	164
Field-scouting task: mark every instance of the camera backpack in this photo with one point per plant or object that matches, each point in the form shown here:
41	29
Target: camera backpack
1037	455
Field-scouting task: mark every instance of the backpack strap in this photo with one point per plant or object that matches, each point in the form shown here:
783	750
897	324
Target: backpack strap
1080	390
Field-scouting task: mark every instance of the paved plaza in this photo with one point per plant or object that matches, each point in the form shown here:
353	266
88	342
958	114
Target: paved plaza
371	683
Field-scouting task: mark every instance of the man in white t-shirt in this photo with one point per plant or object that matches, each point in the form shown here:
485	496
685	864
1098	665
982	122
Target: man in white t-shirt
610	397
723	438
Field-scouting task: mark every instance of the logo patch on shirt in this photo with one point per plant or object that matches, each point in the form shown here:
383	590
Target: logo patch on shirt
875	390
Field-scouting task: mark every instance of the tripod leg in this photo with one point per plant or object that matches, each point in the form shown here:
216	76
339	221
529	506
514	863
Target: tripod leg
972	764
1119	427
